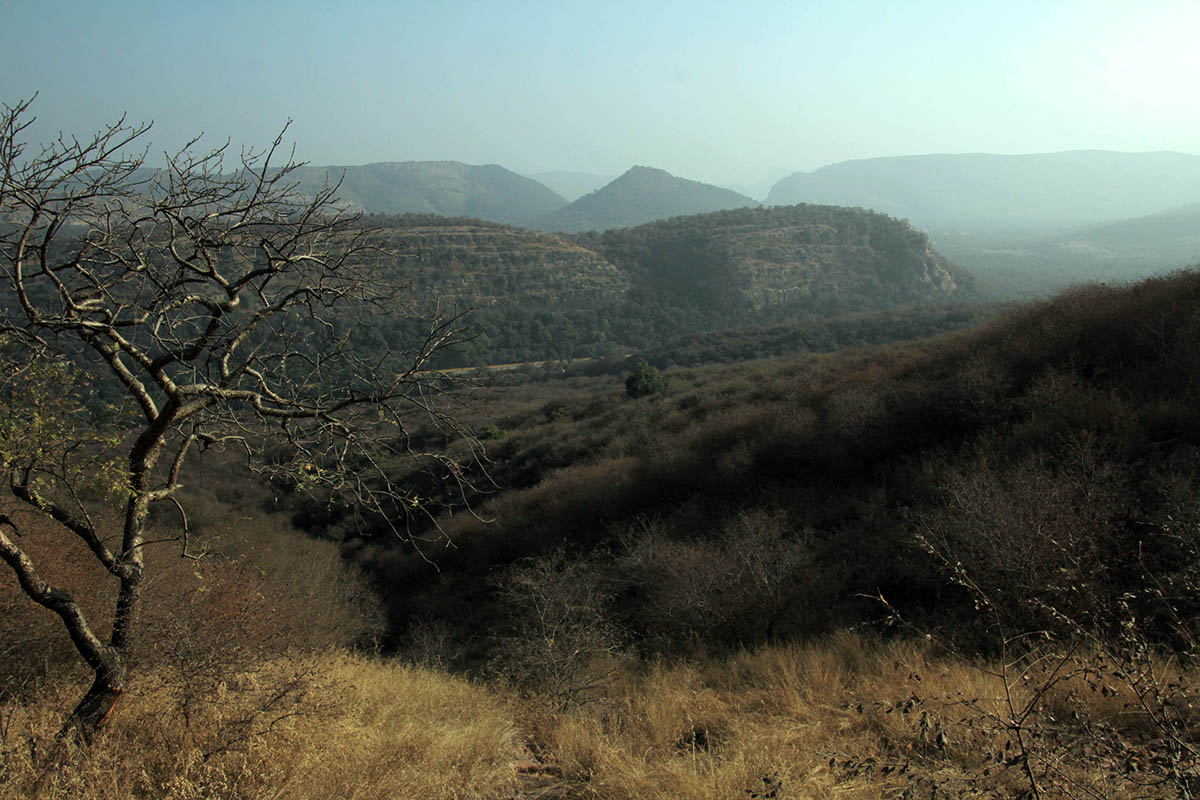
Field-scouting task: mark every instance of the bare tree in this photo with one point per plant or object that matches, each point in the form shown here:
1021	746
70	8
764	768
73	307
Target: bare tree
215	304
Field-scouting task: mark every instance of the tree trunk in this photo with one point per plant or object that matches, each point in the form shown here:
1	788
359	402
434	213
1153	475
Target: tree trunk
95	708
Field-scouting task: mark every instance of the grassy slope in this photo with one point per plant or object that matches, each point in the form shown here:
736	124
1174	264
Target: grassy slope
846	716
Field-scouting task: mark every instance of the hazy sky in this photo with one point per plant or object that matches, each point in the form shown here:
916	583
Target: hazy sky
713	91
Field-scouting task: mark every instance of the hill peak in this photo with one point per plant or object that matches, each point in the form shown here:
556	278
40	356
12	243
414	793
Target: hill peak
641	169
642	194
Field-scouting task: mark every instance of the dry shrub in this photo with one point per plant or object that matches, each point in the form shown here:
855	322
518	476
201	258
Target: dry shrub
1033	538
855	409
34	645
1042	719
738	588
260	590
559	642
1086	591
847	716
779	722
584	491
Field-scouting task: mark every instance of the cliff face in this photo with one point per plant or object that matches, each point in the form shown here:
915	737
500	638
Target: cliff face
803	256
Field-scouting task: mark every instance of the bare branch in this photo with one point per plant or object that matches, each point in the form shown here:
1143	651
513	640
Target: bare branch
93	651
224	306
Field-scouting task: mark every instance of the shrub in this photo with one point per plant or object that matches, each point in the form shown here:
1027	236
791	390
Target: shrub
559	640
644	380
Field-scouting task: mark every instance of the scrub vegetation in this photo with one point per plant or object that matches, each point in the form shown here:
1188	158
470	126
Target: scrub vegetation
964	565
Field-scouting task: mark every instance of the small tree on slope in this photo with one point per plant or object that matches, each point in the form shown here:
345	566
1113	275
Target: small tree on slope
644	380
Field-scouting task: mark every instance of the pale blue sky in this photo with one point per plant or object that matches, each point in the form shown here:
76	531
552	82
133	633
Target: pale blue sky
713	91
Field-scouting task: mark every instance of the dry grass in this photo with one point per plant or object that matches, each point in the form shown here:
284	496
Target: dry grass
848	717
843	718
358	728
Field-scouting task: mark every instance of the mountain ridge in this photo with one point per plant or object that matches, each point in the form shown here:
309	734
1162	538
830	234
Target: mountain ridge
450	188
537	294
991	192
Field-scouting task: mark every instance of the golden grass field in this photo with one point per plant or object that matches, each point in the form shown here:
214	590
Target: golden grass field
846	717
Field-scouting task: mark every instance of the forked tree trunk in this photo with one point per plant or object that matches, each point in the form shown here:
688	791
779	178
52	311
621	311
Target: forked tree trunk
94	709
109	665
108	661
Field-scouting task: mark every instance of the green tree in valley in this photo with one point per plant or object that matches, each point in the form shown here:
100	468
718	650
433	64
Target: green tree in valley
644	380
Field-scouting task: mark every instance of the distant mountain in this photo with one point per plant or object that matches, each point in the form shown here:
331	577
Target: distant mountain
978	193
1170	238
488	192
571	185
803	259
641	195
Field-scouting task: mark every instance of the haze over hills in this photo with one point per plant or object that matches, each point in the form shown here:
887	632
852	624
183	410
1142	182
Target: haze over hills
643	194
1169	237
1025	225
449	188
759	189
1126	249
991	193
572	185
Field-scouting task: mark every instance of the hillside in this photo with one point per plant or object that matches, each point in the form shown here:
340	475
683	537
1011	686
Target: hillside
537	295
989	193
464	263
805	258
529	295
449	188
958	567
771	501
1169	238
820	334
641	195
